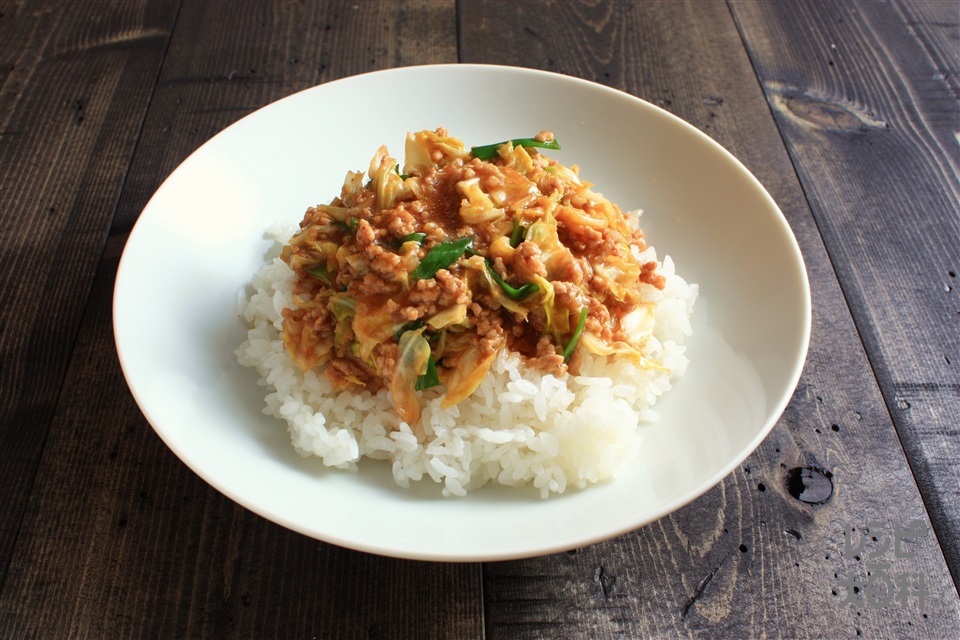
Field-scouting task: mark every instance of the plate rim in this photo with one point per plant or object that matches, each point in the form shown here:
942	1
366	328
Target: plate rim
773	414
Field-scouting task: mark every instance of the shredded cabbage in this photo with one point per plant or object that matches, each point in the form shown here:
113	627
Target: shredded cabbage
416	278
413	356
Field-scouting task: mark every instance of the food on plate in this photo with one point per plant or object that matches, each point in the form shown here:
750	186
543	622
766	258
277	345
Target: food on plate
473	315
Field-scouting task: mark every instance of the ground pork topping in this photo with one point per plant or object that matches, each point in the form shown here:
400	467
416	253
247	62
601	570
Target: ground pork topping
417	275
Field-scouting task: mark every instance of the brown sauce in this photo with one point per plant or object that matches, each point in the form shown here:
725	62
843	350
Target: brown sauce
461	312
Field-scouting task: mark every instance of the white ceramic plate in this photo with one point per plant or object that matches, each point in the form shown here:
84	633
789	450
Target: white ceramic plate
201	238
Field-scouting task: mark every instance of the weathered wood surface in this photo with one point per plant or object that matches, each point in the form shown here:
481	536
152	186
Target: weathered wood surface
109	535
121	540
747	558
866	97
76	82
139	546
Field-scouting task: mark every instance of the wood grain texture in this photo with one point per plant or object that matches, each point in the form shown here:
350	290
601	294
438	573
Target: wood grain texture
76	82
139	546
747	559
150	550
112	536
867	96
266	51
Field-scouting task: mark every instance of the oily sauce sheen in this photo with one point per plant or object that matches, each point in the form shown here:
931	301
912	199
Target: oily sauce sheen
418	275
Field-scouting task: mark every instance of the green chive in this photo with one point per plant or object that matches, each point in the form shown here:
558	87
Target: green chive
320	271
515	293
350	225
429	378
410	237
516	236
576	334
440	257
413	325
488	151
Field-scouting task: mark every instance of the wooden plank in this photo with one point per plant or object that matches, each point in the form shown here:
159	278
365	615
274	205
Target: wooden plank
875	88
76	82
121	539
295	47
747	559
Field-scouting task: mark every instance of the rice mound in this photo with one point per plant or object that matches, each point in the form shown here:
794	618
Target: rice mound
520	426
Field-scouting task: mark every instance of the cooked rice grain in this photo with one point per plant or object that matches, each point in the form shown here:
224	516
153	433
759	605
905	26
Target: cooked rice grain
519	427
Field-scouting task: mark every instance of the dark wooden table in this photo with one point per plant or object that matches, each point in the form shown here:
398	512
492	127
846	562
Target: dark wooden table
847	112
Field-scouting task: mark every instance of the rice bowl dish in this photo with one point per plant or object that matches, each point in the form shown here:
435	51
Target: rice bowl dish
177	327
554	426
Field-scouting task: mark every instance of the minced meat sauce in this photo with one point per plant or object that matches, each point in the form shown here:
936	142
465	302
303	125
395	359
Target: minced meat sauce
417	276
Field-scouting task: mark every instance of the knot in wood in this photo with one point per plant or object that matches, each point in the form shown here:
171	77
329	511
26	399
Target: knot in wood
824	115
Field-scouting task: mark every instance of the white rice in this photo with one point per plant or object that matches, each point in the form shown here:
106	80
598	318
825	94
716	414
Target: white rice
519	427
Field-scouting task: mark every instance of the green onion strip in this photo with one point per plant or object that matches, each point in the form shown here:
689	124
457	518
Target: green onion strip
440	257
576	334
515	293
321	273
430	377
487	151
